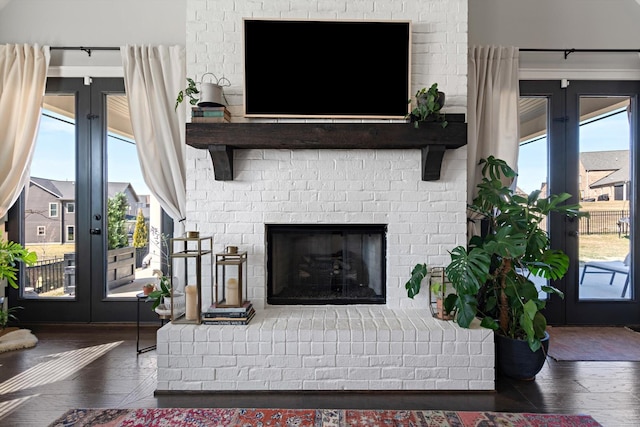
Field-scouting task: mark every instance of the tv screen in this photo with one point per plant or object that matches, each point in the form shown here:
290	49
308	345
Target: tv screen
345	69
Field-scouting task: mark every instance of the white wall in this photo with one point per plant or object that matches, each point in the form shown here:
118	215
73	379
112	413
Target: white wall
584	24
92	23
553	24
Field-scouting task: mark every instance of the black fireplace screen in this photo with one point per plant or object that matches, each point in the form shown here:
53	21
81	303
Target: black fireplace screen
326	264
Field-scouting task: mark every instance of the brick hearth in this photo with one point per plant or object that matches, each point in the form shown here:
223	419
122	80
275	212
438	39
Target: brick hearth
327	348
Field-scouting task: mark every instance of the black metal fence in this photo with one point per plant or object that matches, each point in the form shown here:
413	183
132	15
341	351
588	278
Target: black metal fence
46	275
605	222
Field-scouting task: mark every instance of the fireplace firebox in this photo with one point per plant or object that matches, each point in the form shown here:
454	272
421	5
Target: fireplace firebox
326	264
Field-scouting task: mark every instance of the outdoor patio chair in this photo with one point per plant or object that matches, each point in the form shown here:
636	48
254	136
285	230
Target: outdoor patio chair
623	226
610	267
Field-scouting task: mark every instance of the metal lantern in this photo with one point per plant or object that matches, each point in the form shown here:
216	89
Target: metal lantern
439	288
231	273
188	253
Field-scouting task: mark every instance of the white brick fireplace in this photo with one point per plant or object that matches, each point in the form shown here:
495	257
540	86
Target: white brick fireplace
394	346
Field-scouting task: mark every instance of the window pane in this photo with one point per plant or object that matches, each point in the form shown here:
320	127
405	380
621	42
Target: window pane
128	267
605	189
533	155
51	187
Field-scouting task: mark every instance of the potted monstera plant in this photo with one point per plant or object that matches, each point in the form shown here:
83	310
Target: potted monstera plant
493	275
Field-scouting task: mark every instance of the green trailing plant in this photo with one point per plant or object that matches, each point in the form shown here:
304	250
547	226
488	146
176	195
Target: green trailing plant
189	92
492	276
116	227
428	103
140	232
11	253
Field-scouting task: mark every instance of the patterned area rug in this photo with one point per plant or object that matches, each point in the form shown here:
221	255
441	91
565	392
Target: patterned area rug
176	417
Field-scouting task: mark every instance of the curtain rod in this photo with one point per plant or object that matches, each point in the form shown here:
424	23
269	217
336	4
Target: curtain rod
567	52
86	49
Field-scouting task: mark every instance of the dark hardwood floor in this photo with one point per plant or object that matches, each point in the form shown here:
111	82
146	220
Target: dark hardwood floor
91	366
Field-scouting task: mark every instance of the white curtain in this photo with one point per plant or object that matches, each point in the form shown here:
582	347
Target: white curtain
493	121
23	77
153	76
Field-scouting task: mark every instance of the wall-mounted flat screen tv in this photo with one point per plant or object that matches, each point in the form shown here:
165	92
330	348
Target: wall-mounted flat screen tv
343	69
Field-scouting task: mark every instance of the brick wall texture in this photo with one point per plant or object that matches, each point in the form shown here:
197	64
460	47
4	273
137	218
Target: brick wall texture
425	220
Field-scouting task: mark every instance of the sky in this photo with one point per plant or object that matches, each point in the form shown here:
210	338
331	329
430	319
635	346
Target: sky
55	153
611	133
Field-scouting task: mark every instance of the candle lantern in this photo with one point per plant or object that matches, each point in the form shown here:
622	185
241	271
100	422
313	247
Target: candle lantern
439	288
230	284
190	255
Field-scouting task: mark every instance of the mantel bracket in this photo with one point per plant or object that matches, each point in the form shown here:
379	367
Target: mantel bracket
222	159
432	156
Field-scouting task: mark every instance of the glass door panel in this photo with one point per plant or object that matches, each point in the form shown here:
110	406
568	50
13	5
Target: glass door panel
605	189
533	155
63	213
127	204
50	208
591	130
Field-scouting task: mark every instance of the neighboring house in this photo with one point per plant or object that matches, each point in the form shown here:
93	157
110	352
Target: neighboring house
605	175
50	212
114	188
133	200
144	204
50	209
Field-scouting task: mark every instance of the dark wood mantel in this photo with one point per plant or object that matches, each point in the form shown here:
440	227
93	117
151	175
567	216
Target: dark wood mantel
222	138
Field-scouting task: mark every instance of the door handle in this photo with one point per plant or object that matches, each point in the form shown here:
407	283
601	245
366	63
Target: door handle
573	233
95	231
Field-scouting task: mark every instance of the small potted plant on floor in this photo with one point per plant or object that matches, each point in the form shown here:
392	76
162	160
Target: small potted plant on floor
6	316
12	253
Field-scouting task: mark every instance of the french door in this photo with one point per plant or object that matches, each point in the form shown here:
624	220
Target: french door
77	204
580	137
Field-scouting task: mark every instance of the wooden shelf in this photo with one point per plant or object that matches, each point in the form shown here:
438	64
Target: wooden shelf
220	139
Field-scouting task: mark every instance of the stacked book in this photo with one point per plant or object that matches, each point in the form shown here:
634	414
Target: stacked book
210	115
217	315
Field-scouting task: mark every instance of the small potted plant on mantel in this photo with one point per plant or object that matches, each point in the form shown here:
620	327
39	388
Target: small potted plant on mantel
189	92
428	103
210	93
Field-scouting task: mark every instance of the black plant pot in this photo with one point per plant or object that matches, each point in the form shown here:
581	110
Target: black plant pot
516	360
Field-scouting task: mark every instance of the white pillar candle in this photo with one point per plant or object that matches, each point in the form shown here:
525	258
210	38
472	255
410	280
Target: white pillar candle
232	292
191	292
